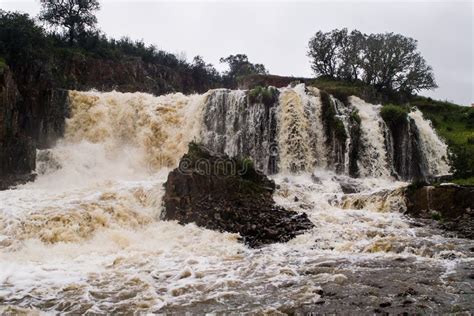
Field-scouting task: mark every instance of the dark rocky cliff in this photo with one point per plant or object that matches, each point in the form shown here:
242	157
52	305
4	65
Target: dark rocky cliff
407	158
17	150
452	206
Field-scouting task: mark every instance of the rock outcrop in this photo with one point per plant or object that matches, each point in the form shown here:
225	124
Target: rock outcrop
405	150
17	151
32	115
227	194
451	205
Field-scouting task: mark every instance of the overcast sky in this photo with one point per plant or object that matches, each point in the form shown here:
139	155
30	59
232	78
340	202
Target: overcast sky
276	33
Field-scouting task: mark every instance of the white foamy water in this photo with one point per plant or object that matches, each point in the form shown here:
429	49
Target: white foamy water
86	235
374	160
436	151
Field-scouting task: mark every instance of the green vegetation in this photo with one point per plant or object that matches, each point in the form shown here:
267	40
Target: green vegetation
466	181
331	122
355	117
339	130
356	145
265	95
23	43
394	115
340	89
387	62
247	164
343	89
436	216
239	67
454	124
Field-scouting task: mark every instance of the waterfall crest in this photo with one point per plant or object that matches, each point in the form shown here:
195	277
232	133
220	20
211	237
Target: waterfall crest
291	130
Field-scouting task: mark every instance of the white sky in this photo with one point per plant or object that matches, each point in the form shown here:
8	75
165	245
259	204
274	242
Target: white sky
276	33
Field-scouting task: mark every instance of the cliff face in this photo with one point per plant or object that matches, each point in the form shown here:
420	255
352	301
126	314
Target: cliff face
451	205
126	75
17	151
408	161
34	97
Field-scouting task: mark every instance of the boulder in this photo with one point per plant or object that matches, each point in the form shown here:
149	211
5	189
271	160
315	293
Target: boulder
228	194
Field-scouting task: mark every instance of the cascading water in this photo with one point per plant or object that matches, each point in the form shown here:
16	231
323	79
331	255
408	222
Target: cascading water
317	136
86	235
234	126
294	139
373	160
434	149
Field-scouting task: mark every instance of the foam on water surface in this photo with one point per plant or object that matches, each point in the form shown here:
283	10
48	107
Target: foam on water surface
86	235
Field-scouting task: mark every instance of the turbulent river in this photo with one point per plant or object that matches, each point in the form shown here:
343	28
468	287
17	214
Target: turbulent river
85	236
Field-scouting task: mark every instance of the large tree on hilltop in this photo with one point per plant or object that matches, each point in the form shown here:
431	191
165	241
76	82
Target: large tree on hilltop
386	61
240	66
75	17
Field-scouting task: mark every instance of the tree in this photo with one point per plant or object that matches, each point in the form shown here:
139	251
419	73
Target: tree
76	17
351	56
21	40
325	51
386	61
203	74
240	66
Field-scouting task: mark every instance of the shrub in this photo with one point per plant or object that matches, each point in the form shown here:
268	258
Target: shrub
394	115
265	95
355	117
340	130
436	216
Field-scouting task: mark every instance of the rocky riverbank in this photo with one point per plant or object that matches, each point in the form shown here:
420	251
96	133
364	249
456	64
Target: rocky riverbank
452	207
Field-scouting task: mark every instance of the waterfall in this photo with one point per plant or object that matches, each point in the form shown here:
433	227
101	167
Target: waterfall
374	160
294	136
120	135
86	235
301	128
434	150
235	126
318	138
342	114
292	129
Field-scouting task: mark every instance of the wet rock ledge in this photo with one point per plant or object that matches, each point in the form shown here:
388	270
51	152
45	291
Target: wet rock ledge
452	206
228	194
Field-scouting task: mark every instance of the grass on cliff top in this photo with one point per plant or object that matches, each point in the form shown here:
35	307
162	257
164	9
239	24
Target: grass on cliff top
339	88
465	182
